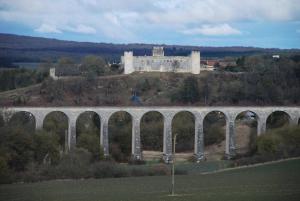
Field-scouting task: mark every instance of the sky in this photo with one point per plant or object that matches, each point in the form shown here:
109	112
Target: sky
258	23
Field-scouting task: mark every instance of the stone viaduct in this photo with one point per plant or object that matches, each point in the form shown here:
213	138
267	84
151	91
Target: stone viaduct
168	113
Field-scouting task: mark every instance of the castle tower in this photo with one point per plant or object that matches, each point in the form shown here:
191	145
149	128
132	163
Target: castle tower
128	62
52	74
158	51
195	62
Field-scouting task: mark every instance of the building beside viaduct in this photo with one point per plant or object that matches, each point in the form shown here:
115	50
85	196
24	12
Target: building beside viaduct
136	113
158	62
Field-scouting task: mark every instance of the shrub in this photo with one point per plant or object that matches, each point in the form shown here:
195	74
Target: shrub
120	136
121	171
291	137
252	160
52	90
103	169
274	144
180	171
134	161
31	174
108	169
152	131
283	141
5	173
161	169
117	154
143	85
267	144
214	135
189	91
75	164
90	142
138	172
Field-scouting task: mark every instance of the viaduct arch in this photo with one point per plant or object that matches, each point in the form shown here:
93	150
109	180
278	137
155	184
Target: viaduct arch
168	113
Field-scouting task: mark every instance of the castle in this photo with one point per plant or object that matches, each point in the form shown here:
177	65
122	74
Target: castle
158	62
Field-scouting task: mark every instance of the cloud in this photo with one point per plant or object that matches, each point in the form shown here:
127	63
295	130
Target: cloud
82	29
124	19
215	11
47	28
213	30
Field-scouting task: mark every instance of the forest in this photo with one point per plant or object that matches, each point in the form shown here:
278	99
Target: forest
15	48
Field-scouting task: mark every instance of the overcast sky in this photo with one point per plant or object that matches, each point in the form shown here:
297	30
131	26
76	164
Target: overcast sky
261	23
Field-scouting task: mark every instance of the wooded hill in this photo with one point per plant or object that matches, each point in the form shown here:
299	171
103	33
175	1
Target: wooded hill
15	48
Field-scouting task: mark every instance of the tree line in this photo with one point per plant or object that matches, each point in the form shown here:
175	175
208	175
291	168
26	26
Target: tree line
258	80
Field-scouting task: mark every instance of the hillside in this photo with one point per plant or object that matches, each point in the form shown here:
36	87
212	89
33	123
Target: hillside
255	80
147	89
154	89
15	48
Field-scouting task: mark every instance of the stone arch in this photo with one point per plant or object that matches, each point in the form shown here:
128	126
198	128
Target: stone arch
88	125
57	122
246	132
91	115
277	119
152	134
120	135
55	111
214	130
25	119
183	124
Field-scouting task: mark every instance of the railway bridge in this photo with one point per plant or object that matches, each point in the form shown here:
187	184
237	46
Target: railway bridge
136	113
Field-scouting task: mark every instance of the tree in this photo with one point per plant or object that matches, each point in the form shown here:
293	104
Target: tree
52	90
45	65
65	61
46	147
189	93
88	129
16	145
56	124
66	66
183	125
93	65
90	142
120	127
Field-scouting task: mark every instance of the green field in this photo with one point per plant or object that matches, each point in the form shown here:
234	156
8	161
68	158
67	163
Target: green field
280	181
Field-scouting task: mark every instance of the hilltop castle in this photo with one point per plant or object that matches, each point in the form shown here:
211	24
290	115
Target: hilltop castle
158	62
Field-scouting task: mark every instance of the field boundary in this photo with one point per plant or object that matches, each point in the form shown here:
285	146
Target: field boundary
250	166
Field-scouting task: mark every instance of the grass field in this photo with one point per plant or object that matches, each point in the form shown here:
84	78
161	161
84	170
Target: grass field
280	181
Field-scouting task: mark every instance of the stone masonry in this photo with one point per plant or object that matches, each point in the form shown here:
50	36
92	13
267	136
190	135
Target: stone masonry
168	114
158	62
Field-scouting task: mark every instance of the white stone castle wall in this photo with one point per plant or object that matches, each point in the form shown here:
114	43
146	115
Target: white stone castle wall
188	64
161	64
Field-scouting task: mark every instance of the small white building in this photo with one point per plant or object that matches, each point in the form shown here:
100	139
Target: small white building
52	74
